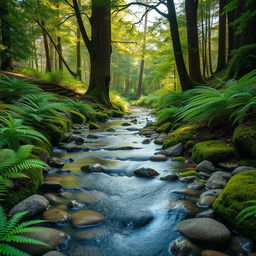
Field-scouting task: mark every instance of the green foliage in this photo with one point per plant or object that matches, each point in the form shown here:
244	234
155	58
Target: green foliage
248	212
13	164
12	89
167	114
189	173
119	101
13	133
12	231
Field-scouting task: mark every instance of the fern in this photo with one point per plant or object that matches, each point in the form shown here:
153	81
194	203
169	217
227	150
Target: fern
167	114
249	211
12	230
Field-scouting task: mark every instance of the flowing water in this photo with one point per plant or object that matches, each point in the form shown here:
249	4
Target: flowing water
138	221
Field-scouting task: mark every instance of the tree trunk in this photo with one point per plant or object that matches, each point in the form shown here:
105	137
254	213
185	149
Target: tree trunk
142	61
185	81
48	67
222	37
192	36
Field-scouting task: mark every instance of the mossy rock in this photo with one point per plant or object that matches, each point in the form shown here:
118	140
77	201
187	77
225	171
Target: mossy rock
93	126
179	159
114	113
181	135
240	188
54	134
214	151
100	116
77	117
244	139
164	127
189	173
23	188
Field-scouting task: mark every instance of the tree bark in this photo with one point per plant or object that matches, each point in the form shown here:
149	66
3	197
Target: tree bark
48	67
222	37
191	8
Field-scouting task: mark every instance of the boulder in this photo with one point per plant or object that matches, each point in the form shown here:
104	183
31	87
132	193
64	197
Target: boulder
215	182
52	198
205	201
33	205
241	244
158	158
50	186
205	166
86	217
185	192
92	233
184	207
93	126
242	169
55	215
204	230
206	214
146	141
213	253
212	192
169	176
126	124
145	172
92	168
174	150
197	185
55	162
224	175
160	139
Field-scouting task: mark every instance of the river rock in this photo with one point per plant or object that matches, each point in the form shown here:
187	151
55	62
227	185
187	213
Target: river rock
126	124
213	253
92	233
146	141
66	195
242	169
212	192
205	201
205	166
185	192
160	139
86	251
73	204
55	162
92	136
86	217
187	208
137	220
183	247
54	253
204	230
196	185
204	175
33	205
110	130
241	244
55	215
93	126
169	176
145	172
215	182
174	150
224	175
158	158
52	237
50	186
52	198
206	214
78	139
187	179
92	168
87	197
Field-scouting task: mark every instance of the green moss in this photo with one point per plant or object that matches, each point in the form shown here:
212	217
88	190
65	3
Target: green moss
244	139
240	188
188	173
247	162
78	118
114	113
213	150
181	135
179	159
93	126
189	144
53	133
164	127
100	116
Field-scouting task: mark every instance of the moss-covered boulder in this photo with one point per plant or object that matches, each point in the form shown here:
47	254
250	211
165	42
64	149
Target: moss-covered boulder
114	113
93	126
213	150
53	133
77	117
100	116
164	127
240	188
244	139
181	135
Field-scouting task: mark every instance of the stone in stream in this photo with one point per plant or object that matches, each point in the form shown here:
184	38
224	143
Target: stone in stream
185	192
50	186
52	237
55	215
205	166
54	253
110	130
242	169
158	158
183	247
197	185
169	177
92	168
93	126
73	204
126	124
174	150
204	230
92	136
213	253
145	172
212	192
86	217
86	251
92	233
206	214
215	182
224	175
160	139
52	198
77	139
187	179
241	244
187	208
133	129
146	141
33	205
55	162
206	201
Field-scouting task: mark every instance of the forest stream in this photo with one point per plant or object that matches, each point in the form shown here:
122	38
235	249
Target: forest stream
140	213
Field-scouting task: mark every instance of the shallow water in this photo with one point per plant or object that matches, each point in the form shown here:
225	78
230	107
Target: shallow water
137	219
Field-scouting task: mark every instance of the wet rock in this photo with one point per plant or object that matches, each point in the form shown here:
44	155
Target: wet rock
213	253
145	172
50	186
158	158
204	230
54	253
93	126
242	169
126	124
92	136
55	216
52	237
169	176
206	214
67	136
187	208
132	129
224	175
183	247
52	198
86	217
187	179
66	195
147	132
111	130
146	141
77	139
229	165
86	251
73	204
134	121
241	244
212	192
33	205
205	201
204	175
197	185
215	181
55	162
87	197
92	233
205	166
92	168
160	139
174	150
185	192
60	171
137	220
